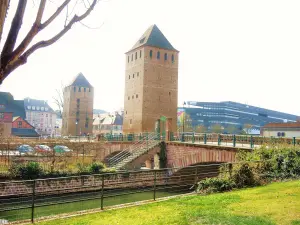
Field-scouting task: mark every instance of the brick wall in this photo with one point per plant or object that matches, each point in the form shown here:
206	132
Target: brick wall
181	155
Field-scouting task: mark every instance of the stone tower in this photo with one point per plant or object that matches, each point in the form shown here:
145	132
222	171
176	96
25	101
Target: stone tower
78	107
151	83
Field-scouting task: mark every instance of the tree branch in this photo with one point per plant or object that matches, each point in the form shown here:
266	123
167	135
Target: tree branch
23	58
4	5
29	37
14	31
54	15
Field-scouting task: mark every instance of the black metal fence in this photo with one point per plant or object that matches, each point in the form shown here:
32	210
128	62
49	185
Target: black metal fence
32	199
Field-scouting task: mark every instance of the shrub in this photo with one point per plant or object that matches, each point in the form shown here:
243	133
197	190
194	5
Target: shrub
243	175
30	170
210	185
96	167
109	170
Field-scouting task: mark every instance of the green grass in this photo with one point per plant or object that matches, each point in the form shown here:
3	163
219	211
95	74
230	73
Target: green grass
277	203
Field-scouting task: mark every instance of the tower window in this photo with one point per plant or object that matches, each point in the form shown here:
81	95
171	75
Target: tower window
126	111
132	57
89	90
151	53
128	98
136	55
132	75
173	59
84	89
166	56
140	53
137	74
79	89
132	97
169	93
129	77
158	55
136	96
74	89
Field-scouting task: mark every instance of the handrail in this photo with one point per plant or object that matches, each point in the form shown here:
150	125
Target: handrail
125	153
130	152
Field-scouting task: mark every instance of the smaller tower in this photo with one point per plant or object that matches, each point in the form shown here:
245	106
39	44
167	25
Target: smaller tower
78	107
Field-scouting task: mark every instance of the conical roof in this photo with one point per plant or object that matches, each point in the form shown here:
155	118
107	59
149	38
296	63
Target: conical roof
153	37
81	81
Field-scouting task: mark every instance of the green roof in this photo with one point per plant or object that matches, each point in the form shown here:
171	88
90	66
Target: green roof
153	37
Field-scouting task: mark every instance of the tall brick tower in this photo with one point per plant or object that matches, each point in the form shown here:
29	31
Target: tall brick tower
78	107
151	83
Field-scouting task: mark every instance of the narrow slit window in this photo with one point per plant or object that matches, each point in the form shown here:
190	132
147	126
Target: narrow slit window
158	55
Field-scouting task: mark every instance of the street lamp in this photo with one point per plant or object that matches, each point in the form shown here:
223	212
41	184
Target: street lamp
183	119
76	127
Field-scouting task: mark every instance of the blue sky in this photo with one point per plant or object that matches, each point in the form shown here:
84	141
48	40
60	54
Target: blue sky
244	51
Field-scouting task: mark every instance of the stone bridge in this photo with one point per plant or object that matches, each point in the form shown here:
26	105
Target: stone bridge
179	155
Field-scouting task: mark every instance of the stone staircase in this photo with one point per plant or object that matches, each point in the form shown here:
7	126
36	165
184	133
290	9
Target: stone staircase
141	147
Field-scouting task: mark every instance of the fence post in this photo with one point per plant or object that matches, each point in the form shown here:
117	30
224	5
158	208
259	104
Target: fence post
219	139
234	140
147	139
196	176
32	203
154	186
205	139
251	142
102	190
294	141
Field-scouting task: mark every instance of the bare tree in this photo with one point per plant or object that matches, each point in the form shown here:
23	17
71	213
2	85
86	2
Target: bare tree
59	99
13	56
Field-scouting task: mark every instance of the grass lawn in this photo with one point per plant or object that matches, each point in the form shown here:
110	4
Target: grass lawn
277	203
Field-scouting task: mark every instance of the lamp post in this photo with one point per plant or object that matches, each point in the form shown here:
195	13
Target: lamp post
183	119
76	127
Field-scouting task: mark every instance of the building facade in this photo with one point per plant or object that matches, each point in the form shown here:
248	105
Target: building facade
151	83
41	116
232	116
288	130
108	123
78	108
5	124
22	128
9	108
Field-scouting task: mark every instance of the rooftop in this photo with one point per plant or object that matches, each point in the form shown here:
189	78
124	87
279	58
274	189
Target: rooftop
37	105
282	125
153	37
81	81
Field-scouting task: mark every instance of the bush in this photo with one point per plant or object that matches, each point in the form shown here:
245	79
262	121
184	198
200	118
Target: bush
243	175
96	167
210	185
30	170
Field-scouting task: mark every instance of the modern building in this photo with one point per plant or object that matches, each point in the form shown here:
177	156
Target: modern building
78	107
108	123
9	107
288	130
41	116
151	83
232	116
22	128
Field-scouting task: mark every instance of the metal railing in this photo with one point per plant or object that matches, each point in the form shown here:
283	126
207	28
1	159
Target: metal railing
148	141
239	141
32	199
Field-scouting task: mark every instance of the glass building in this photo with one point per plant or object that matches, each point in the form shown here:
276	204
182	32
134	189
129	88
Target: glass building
231	114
